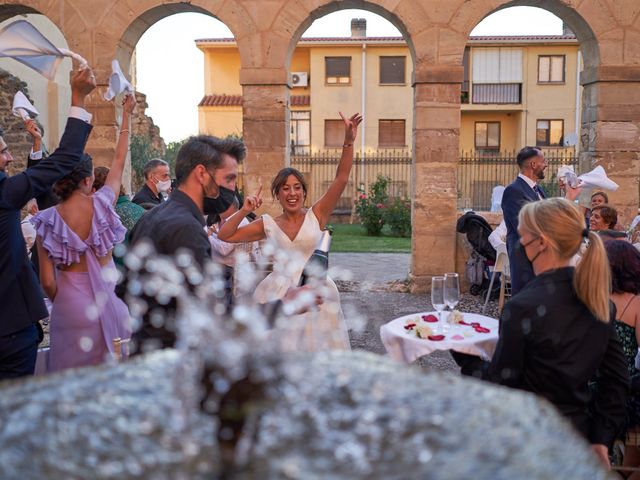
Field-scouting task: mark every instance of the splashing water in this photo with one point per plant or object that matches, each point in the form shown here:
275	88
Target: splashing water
227	402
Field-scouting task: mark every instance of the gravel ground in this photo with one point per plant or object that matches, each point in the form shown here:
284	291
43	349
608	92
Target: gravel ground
378	293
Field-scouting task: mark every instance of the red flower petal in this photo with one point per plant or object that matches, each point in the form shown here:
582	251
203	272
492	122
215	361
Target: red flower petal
430	318
475	324
480	329
435	338
462	322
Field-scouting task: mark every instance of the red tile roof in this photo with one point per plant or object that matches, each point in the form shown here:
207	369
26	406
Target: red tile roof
496	38
300	100
221	101
225	100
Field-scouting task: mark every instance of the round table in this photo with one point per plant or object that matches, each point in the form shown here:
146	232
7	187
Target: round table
405	346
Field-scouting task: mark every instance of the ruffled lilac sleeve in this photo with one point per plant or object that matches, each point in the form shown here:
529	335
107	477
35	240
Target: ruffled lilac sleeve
107	229
60	242
63	244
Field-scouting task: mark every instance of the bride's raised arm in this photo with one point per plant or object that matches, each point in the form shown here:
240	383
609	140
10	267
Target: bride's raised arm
232	232
325	205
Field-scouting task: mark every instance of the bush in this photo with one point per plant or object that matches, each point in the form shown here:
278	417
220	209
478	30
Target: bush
397	215
370	208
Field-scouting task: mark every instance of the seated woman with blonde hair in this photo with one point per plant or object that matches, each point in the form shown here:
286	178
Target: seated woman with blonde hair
557	334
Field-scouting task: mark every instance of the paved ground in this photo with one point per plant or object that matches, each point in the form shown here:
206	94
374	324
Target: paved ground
375	295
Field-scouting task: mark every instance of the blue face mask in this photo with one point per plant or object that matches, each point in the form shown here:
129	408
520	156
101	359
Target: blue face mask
216	206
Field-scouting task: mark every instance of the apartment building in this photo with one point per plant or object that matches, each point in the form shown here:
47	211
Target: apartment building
518	90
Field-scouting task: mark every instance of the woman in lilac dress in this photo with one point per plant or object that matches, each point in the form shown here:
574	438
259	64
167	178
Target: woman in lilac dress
75	242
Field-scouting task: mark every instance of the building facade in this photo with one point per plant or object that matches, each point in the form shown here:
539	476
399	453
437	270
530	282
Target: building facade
517	91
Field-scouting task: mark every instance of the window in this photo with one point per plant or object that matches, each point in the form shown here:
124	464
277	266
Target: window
551	68
300	133
487	136
333	133
392	70
337	70
549	133
391	133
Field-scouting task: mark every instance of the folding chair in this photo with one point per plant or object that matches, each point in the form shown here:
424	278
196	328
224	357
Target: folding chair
502	267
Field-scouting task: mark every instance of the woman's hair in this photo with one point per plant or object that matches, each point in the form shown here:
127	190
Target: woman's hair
563	226
281	178
602	194
608	214
624	259
100	176
68	184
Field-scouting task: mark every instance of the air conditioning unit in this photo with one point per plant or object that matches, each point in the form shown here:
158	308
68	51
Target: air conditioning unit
299	79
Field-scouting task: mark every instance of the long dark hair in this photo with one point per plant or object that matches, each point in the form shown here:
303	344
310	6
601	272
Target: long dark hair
281	178
624	260
68	184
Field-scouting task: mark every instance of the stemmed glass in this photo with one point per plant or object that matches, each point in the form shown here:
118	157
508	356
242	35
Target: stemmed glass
451	292
437	297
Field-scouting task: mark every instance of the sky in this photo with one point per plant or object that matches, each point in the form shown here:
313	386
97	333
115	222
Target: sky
170	69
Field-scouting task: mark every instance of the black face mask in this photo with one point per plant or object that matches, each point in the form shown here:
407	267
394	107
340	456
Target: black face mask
216	206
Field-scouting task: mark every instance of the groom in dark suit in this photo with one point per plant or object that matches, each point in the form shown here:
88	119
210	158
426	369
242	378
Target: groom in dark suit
524	189
21	297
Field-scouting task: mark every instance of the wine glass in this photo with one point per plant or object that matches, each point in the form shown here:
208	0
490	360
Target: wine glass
437	296
451	291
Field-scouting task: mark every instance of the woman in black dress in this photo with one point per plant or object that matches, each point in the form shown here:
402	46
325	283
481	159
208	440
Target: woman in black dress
625	282
558	331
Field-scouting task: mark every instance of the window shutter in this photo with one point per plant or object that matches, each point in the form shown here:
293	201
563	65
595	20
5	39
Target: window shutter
338	66
391	133
392	70
333	133
486	65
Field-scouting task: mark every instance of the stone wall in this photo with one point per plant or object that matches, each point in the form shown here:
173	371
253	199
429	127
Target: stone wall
16	137
143	125
436	32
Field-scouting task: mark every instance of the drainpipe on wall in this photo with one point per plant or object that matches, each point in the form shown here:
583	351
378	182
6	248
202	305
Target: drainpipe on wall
578	62
363	112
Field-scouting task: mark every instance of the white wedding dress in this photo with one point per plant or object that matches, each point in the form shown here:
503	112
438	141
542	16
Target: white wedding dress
322	328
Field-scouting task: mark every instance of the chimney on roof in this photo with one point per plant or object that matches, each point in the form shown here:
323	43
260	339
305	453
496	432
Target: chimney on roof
358	27
566	31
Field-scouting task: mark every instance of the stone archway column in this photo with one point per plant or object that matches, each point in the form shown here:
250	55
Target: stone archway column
611	131
264	116
436	153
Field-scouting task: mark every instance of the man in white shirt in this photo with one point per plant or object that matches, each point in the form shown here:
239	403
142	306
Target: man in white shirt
20	292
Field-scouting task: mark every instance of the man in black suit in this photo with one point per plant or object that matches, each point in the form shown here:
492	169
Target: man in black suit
20	294
524	189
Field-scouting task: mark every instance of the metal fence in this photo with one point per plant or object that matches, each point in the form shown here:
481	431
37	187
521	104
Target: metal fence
319	170
478	174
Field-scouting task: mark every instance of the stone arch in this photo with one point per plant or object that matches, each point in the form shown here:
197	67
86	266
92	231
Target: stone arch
51	97
569	15
335	6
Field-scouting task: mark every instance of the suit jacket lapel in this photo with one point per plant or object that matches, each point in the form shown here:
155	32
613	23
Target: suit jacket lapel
528	191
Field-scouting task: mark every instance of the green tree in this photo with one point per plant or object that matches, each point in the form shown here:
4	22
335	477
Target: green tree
141	153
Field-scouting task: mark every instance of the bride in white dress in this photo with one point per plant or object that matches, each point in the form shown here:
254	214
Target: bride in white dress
296	233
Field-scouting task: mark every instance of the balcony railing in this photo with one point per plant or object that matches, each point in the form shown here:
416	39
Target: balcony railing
497	93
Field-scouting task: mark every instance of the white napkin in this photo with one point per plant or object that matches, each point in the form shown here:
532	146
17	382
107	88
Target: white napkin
597	178
22	106
563	170
118	83
24	43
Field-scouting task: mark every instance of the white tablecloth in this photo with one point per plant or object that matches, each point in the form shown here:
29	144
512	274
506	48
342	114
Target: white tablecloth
404	346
